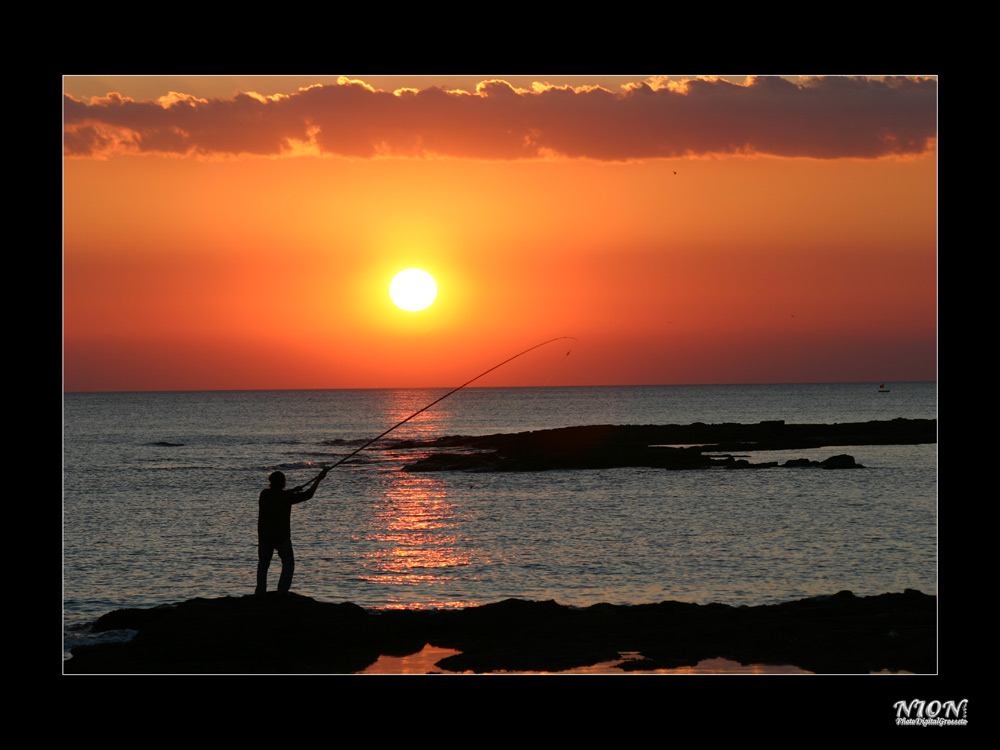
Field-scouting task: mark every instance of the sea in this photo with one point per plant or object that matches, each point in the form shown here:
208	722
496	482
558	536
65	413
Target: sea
160	500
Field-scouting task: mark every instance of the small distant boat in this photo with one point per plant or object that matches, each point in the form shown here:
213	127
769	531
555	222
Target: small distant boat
883	389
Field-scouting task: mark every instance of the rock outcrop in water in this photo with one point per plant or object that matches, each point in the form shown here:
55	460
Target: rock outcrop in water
842	633
695	446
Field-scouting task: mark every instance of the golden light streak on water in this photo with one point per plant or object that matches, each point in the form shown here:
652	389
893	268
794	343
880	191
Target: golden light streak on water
423	662
414	528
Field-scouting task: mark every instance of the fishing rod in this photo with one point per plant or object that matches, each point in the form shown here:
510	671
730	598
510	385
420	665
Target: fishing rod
323	473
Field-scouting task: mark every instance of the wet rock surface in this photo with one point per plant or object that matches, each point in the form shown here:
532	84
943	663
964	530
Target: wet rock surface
694	446
841	633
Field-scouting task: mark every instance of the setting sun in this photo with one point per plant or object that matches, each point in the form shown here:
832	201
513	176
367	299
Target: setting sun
413	289
675	226
504	349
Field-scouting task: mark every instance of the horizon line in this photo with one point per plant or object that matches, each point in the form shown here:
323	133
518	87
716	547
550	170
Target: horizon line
489	387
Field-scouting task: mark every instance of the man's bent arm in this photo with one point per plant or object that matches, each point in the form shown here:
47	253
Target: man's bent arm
308	493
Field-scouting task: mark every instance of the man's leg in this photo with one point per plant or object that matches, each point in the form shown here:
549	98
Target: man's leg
287	566
264	554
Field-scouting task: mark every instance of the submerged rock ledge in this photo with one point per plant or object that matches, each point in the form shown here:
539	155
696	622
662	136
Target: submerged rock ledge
839	634
664	446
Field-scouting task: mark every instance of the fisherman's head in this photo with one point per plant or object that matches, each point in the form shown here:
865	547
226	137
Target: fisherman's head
277	480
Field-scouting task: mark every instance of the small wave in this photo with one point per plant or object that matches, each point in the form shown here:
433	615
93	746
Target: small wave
164	444
82	635
315	465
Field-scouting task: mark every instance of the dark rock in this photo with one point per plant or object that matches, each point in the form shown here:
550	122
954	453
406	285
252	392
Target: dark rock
236	635
841	633
843	461
662	446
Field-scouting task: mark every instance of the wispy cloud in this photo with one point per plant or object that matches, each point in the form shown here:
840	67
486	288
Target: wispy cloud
826	118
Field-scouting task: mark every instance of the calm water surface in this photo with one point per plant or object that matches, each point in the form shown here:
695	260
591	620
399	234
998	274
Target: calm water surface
160	490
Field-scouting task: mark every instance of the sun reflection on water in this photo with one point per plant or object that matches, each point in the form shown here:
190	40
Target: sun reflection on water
412	535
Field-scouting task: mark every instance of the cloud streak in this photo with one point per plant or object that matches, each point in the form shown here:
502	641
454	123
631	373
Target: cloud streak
824	118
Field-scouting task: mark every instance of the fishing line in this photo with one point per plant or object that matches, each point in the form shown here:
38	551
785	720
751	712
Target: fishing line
432	403
549	378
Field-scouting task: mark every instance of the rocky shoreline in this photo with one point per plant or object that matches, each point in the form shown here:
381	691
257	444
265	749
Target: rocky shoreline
694	446
837	634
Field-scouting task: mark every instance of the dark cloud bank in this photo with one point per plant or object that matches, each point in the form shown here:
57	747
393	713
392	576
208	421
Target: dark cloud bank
824	118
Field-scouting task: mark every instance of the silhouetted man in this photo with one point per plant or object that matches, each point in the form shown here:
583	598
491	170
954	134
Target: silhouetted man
274	528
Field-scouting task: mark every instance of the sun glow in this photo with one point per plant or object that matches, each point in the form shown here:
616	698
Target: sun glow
285	237
413	289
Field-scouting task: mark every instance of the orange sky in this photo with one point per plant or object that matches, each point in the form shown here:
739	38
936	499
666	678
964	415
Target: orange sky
719	231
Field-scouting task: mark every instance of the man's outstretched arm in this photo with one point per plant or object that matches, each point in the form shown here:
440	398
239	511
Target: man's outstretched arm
308	489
